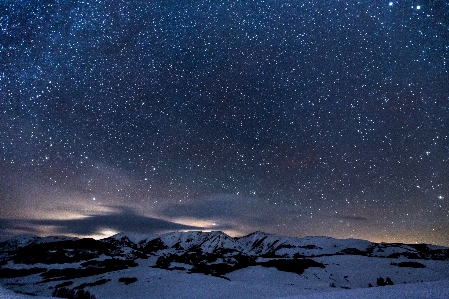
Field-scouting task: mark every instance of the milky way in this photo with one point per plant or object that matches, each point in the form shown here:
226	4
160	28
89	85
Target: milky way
290	117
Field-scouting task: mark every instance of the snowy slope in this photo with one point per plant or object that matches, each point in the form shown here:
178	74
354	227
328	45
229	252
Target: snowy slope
425	290
26	239
215	265
7	294
260	243
207	241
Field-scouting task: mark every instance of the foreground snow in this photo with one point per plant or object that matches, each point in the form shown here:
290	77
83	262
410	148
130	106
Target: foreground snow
426	290
215	266
7	294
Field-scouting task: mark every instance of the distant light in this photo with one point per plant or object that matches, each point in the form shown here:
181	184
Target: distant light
418	6
390	4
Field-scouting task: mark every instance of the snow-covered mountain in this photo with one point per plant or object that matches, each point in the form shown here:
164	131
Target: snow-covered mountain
18	241
259	243
264	265
262	244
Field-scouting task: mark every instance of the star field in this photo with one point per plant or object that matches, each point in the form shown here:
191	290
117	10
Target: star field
291	117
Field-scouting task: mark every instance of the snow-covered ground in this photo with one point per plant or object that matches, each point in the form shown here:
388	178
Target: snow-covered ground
425	290
340	268
7	294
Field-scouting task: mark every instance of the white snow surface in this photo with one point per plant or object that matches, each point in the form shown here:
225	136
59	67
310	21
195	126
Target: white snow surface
426	290
207	241
344	276
7	294
19	241
307	246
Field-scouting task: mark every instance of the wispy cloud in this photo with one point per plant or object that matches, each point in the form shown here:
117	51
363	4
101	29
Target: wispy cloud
122	219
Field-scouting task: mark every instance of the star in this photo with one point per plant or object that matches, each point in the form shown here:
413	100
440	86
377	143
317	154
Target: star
243	112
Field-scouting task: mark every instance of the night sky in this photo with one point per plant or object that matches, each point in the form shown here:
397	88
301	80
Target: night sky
291	117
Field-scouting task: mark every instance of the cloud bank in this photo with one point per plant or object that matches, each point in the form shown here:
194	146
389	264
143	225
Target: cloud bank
122	219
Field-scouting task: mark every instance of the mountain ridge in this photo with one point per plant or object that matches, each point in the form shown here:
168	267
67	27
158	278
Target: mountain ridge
254	244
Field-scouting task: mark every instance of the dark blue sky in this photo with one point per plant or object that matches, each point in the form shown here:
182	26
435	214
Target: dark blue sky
292	117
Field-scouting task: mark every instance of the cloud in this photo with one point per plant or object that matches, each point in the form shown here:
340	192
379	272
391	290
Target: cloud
230	211
220	206
122	219
9	227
